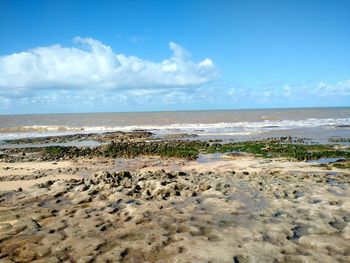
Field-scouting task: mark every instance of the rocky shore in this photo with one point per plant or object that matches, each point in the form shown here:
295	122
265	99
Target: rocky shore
98	137
131	145
242	207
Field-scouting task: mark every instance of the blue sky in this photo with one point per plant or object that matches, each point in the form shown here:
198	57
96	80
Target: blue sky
86	56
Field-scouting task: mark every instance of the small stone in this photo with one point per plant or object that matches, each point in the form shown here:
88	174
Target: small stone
124	253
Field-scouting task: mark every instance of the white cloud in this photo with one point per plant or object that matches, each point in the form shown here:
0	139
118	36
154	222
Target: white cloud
341	88
293	93
91	64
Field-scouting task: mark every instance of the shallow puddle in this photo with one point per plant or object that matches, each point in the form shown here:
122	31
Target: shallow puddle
326	160
208	158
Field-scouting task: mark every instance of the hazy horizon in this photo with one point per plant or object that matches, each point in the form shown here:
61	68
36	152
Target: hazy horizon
180	110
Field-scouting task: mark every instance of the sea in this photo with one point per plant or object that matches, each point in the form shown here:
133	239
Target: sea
316	124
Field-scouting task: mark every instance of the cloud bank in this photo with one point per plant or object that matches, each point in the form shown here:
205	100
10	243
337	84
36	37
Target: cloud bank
90	76
92	64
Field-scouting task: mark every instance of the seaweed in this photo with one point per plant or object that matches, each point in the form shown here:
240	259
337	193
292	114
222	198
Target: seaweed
191	149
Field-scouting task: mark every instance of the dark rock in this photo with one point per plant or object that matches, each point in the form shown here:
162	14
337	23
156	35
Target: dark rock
124	253
125	174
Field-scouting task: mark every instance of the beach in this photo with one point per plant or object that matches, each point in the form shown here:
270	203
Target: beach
178	195
174	131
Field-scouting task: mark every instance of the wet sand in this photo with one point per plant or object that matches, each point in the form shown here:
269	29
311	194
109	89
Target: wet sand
236	209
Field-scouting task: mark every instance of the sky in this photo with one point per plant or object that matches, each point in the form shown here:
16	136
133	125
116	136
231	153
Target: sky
62	56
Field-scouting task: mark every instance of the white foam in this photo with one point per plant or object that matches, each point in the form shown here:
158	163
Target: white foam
222	128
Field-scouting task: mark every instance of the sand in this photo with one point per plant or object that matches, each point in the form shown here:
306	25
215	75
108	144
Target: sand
237	209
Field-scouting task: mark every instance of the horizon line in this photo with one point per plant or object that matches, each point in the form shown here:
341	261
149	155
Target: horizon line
174	111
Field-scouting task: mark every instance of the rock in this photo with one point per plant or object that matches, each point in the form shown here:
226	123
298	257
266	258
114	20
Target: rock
4	227
204	186
5	260
81	188
127	184
81	197
182	173
124	253
47	260
334	243
240	259
48	184
85	259
26	224
125	174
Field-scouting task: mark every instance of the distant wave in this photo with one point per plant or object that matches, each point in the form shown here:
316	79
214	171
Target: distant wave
39	128
224	128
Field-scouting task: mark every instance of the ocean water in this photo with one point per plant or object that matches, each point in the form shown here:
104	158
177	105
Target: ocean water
318	124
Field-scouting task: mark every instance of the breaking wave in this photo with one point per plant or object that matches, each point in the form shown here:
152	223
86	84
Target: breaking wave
223	128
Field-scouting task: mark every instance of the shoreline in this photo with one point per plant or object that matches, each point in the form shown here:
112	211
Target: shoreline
318	123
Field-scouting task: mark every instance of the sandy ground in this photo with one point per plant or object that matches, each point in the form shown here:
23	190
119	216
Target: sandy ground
82	168
238	209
